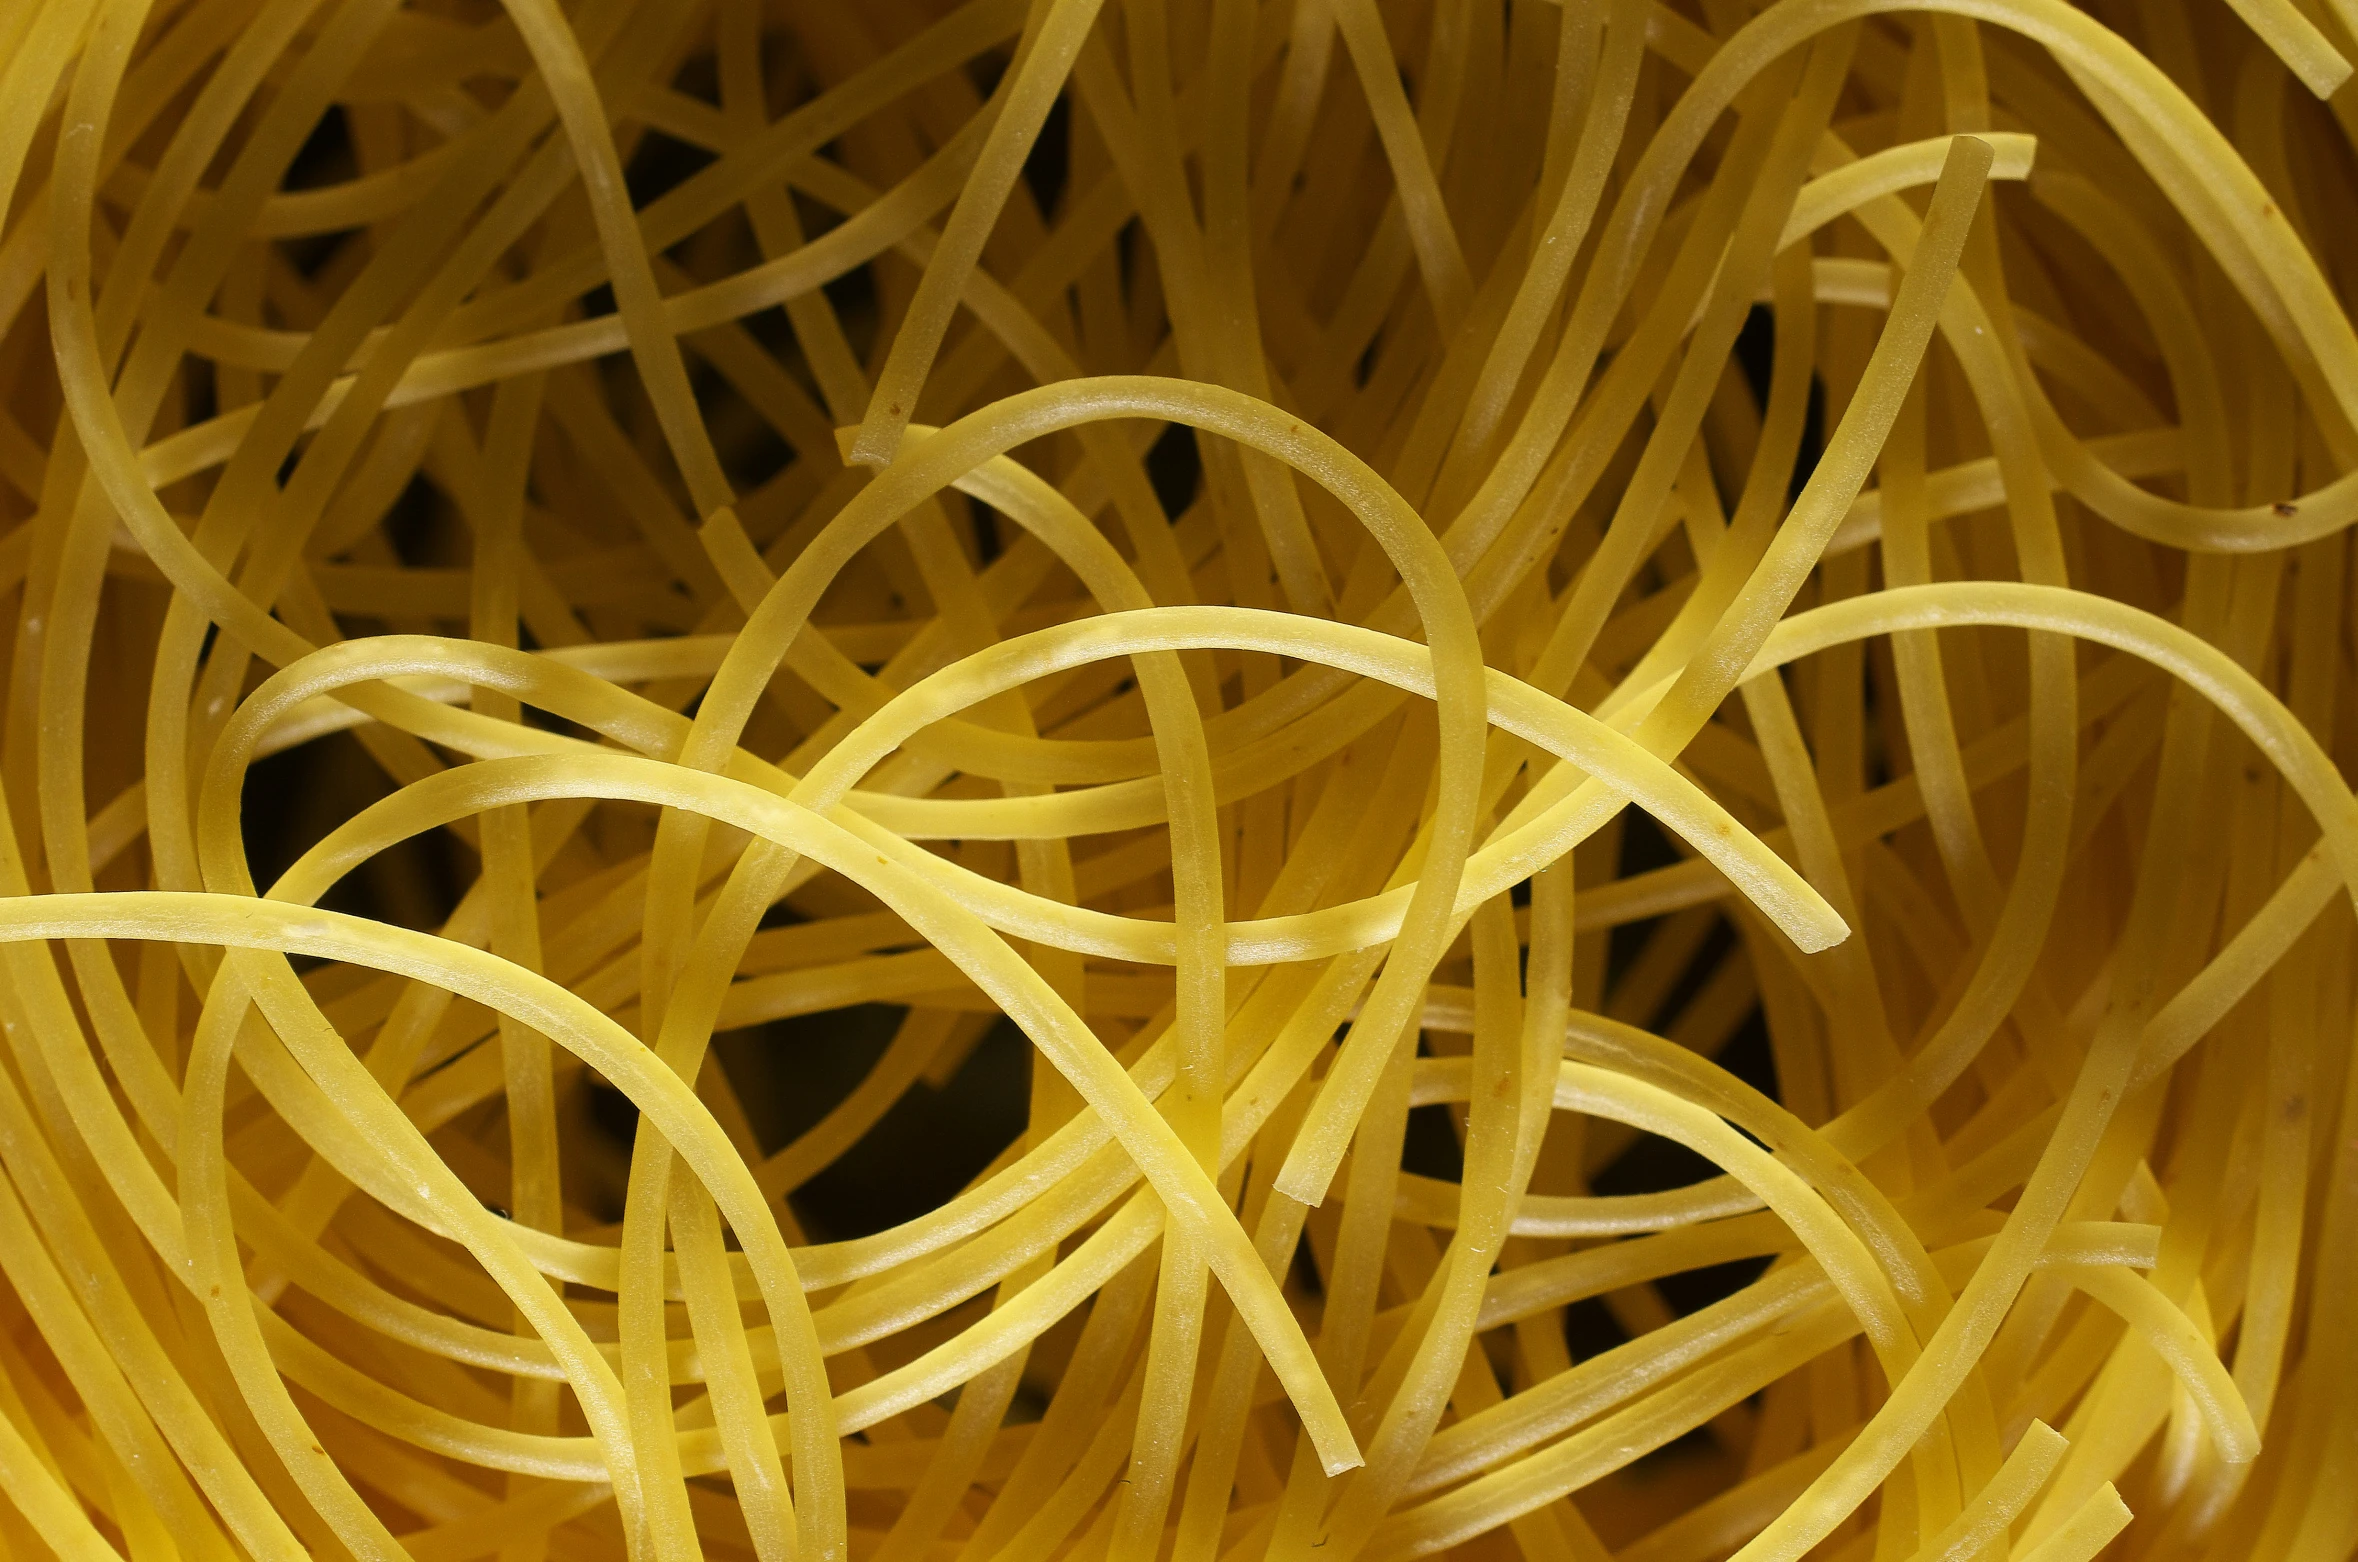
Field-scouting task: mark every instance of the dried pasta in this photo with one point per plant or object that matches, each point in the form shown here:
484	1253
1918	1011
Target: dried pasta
1216	780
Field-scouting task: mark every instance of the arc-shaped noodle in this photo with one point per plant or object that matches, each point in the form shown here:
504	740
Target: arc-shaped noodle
561	562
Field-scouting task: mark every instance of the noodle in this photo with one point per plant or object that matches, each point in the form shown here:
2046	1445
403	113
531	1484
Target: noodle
1217	780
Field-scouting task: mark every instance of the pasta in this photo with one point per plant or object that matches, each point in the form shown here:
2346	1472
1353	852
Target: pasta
1215	780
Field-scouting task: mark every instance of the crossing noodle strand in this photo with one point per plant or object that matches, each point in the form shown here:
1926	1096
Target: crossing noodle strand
1178	780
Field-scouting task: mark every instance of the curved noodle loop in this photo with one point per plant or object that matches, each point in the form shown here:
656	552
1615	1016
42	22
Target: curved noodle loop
1178	780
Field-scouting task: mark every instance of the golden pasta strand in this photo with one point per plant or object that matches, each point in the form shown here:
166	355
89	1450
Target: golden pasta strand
1231	780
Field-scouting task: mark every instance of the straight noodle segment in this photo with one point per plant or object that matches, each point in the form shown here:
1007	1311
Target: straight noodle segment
1178	780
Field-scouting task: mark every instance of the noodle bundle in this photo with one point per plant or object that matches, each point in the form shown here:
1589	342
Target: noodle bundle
1178	780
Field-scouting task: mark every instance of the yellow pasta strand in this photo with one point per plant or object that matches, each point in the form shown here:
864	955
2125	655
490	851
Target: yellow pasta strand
1216	780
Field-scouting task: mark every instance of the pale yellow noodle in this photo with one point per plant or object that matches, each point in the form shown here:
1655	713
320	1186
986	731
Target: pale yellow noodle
1245	780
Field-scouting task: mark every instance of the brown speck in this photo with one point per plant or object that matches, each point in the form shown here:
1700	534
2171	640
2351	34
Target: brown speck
2267	208
2296	1108
216	1293
893	411
2285	508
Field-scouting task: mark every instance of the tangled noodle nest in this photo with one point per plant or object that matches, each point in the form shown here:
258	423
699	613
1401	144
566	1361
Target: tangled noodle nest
1178	779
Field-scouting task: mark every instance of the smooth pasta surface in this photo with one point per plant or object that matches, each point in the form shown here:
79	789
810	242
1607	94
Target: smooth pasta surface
1178	780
